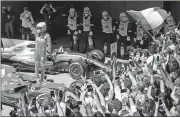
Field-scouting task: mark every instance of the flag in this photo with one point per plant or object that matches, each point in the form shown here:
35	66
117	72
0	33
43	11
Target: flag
150	18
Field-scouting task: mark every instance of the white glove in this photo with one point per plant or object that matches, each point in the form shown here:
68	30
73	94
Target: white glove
90	33
117	36
141	42
69	32
128	38
80	31
114	28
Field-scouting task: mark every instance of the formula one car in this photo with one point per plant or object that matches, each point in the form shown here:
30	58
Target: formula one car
21	56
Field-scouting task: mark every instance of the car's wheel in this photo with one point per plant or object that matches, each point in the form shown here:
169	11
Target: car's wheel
77	69
97	55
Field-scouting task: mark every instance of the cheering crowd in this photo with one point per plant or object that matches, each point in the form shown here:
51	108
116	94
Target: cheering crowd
149	85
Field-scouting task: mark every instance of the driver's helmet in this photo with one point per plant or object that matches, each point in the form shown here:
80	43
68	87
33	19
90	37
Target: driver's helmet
41	28
45	105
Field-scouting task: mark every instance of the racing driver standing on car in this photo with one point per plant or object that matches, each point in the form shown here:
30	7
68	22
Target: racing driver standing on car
43	46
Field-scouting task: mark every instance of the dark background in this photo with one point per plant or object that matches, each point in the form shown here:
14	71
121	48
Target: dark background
113	7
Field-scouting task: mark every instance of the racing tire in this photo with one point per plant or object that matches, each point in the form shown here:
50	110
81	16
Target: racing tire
97	55
77	69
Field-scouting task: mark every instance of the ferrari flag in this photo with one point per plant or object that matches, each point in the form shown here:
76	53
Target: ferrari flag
150	18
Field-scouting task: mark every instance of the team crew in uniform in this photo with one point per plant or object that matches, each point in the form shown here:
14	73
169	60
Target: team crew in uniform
43	45
87	27
73	24
124	30
107	29
27	22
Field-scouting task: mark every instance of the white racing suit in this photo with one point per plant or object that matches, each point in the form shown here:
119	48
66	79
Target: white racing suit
43	44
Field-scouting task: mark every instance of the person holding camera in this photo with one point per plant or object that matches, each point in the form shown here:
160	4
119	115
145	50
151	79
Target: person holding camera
27	22
48	11
9	21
